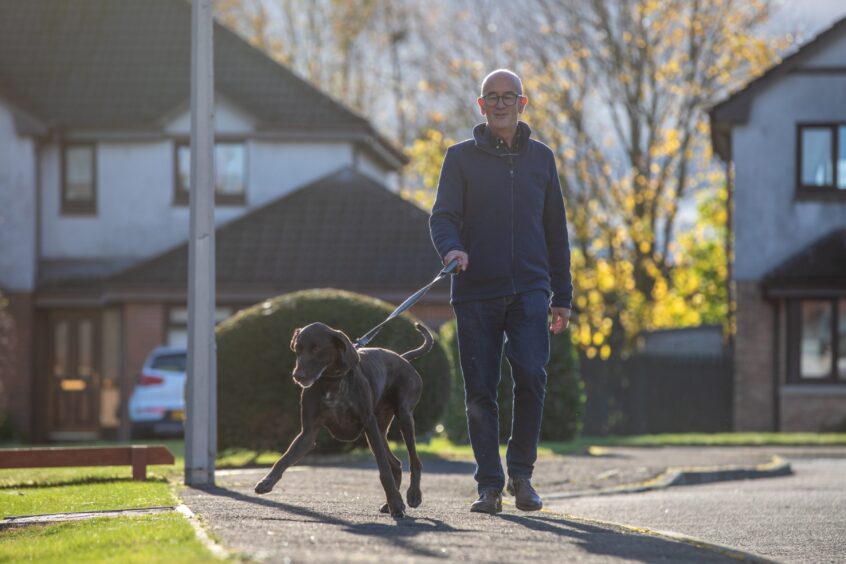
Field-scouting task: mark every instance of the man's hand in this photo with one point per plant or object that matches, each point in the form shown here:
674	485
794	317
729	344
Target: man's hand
463	259
560	319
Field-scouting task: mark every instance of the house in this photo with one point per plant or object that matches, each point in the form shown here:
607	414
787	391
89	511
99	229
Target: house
784	135
94	161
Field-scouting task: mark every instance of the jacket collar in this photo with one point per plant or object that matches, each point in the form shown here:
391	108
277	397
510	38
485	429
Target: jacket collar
490	143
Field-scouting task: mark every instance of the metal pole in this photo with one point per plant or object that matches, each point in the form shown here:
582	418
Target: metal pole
201	404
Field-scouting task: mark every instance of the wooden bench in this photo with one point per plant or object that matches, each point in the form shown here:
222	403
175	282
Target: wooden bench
136	456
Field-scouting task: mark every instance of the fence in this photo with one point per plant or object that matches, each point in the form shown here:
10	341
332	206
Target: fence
657	394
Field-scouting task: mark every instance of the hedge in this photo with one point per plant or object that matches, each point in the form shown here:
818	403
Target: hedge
258	402
563	404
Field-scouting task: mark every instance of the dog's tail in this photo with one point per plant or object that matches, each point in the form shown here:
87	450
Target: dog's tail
422	349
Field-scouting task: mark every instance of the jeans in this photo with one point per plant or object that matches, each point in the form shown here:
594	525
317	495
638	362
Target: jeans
522	320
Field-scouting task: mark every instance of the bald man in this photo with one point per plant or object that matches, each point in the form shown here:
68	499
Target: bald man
500	213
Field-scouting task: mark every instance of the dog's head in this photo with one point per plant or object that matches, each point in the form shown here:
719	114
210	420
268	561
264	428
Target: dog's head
322	352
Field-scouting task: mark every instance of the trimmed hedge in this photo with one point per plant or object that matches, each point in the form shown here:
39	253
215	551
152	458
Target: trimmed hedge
565	397
258	401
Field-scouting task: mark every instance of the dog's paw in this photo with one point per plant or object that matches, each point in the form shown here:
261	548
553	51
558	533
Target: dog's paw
384	508
264	487
414	497
398	510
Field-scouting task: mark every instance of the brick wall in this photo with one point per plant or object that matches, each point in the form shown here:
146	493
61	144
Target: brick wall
143	330
16	373
812	409
753	360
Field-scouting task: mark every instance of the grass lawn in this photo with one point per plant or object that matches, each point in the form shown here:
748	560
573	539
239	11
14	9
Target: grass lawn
94	496
168	537
164	537
439	447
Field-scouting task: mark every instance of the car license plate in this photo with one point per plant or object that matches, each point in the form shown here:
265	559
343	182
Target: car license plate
177	415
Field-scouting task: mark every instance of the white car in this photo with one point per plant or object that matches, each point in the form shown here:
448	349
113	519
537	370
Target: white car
157	404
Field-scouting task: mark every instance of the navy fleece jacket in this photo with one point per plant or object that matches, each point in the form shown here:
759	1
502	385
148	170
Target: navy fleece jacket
504	208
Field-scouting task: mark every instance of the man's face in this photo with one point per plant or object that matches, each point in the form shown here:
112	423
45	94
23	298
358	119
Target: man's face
501	116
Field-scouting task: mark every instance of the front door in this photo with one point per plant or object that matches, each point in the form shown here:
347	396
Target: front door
74	375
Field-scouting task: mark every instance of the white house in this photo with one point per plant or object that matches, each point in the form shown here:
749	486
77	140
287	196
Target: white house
94	161
785	135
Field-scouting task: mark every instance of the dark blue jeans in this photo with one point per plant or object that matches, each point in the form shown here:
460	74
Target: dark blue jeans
521	321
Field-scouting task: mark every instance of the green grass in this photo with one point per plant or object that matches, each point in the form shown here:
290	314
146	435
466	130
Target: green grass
55	490
701	439
440	447
96	496
165	537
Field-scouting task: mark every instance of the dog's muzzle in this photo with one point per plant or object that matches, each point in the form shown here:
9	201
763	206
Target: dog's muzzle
307	382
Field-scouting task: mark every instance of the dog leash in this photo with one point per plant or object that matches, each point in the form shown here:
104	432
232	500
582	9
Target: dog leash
410	301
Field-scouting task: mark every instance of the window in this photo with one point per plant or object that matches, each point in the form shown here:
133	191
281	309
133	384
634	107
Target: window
821	161
230	164
79	179
818	337
177	324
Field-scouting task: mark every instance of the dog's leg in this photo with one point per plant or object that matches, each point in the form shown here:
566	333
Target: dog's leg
300	446
406	420
384	419
380	451
396	469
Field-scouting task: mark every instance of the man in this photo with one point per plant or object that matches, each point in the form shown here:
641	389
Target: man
500	213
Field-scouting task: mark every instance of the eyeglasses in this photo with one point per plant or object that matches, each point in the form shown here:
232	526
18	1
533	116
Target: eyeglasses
509	99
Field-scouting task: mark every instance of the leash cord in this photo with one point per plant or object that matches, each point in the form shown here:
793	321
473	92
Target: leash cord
410	301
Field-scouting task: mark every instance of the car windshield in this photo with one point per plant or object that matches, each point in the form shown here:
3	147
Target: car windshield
170	362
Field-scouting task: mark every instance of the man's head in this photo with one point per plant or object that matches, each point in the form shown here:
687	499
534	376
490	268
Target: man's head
501	100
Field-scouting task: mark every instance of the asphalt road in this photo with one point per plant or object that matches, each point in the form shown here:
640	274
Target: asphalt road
798	518
330	514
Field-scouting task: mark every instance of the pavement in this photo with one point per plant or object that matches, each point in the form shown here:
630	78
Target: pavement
326	510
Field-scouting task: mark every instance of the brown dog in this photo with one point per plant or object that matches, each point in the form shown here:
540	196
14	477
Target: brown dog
349	391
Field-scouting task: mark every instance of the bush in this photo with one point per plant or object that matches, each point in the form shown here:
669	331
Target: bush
258	402
563	404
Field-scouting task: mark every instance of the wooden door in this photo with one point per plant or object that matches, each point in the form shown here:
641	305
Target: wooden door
74	375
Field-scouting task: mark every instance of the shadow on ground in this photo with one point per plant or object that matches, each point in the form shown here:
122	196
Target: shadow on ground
460	535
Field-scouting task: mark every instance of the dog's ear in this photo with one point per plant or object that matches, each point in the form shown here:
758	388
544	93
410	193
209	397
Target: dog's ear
347	355
294	338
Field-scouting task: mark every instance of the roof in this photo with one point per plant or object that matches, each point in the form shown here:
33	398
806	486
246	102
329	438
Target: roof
344	231
106	65
735	108
820	269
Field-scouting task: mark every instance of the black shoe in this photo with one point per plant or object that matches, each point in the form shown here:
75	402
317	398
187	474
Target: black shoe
490	501
525	496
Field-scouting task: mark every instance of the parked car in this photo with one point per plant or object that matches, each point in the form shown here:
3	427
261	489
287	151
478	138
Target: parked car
157	404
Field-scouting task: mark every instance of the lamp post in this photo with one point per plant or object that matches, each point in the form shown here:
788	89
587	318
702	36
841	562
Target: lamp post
201	404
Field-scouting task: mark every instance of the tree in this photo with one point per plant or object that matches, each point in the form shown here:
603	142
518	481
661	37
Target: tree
618	88
621	92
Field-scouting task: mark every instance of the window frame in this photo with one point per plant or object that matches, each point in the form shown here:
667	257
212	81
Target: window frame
813	191
77	207
794	349
181	197
170	324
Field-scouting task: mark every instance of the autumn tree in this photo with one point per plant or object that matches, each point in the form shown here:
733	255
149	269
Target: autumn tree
620	89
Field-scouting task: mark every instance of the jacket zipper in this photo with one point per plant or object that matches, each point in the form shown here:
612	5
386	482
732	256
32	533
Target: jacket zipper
513	258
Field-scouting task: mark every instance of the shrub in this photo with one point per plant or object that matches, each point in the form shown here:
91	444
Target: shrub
563	404
258	402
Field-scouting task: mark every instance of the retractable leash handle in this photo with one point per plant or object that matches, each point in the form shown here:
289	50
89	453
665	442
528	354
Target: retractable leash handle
450	268
410	301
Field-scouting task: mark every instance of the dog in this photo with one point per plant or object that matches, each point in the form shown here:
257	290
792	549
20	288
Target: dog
349	391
